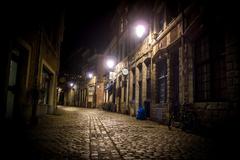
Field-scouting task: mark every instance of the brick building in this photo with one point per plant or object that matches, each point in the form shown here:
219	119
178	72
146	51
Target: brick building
187	60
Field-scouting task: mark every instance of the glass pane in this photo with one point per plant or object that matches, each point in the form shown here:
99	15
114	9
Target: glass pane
162	89
13	73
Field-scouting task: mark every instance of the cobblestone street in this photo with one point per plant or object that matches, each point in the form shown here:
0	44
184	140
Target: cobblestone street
77	133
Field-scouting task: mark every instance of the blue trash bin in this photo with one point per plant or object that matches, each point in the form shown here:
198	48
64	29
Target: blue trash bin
141	113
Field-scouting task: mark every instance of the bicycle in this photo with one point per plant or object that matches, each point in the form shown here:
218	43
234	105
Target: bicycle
189	118
173	120
186	119
170	121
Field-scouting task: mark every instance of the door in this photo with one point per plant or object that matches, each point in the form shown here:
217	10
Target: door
12	83
46	82
140	93
17	82
119	98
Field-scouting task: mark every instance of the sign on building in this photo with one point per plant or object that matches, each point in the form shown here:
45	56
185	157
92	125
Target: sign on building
112	75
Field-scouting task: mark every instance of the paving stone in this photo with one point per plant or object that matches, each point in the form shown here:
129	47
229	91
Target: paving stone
91	133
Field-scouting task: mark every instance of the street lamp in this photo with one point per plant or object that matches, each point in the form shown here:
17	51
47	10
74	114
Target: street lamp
140	30
110	63
71	84
90	75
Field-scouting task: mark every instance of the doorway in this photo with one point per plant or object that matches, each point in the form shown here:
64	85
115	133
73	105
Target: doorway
175	82
16	89
46	86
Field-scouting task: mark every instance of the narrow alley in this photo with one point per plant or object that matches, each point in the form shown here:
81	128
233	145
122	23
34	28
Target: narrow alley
120	79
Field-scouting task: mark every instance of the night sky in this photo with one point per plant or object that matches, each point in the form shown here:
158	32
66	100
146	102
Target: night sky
87	25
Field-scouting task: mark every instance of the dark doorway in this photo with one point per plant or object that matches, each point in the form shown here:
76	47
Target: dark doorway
147	108
175	81
46	85
140	93
119	94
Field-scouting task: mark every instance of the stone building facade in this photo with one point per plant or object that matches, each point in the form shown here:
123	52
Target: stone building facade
91	88
30	65
186	63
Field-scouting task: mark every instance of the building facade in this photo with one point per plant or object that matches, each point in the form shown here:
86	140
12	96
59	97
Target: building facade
85	89
31	65
186	62
92	88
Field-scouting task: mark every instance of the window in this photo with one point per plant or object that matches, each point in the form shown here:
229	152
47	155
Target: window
148	71
160	21
161	80
219	79
210	70
202	70
121	25
148	77
171	10
140	72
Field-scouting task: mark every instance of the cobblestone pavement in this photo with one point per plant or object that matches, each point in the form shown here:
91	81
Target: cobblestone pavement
78	133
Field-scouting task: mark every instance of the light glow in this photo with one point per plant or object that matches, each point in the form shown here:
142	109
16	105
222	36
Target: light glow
90	75
110	63
140	30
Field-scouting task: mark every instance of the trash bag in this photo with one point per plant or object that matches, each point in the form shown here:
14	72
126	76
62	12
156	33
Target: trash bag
141	113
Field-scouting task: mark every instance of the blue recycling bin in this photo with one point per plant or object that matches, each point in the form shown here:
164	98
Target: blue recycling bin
141	113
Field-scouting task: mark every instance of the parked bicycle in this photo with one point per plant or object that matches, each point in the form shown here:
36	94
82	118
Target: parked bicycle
189	118
174	119
186	120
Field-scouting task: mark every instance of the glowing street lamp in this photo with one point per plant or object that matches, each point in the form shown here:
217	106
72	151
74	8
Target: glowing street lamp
110	63
140	30
90	75
71	84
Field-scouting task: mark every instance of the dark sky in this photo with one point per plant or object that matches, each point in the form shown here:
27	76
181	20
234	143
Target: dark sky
87	24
